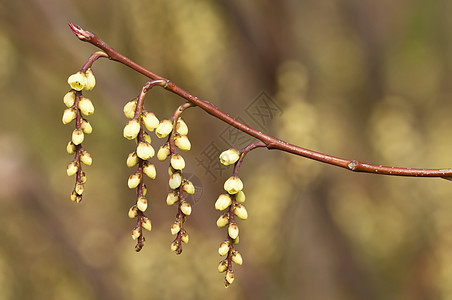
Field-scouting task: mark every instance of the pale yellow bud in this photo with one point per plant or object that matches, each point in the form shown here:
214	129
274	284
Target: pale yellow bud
175	228
233	185
129	109
182	142
229	156
145	150
69	98
132	160
136	233
171	170
69	114
175	246
175	181
142	203
233	230
163	152
150	120
147	137
230	277
185	207
240	197
86	127
70	148
144	190
86	106
79	188
74	196
132	129
90	80
223	202
223	220
77	81
224	248
149	170
223	266
188	187
77	136
164	128
236	240
237	257
240	211
184	236
134	181
72	168
181	127
146	223
133	212
177	162
172	198
82	177
86	158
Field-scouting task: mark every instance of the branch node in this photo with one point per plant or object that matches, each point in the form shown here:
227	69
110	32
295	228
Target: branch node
352	165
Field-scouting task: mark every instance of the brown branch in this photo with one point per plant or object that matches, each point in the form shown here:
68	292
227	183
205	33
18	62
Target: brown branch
270	141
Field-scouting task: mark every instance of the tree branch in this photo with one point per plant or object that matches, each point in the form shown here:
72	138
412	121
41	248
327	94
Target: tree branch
270	141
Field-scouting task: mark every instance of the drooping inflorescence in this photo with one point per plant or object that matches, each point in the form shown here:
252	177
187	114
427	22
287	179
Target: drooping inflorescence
78	107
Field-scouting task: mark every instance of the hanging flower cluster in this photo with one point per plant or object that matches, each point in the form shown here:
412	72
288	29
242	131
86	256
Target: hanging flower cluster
177	131
232	205
77	107
135	129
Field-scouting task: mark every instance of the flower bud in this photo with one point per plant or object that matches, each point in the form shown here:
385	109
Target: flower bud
133	212
233	185
164	128
163	152
86	106
82	177
86	127
175	247
237	257
185	207
136	233
230	276
188	187
175	181
69	99
74	197
175	228
223	220
132	160
70	148
132	129
233	230
146	223
181	127
149	170
142	203
69	114
172	198
129	109
134	181
236	240
223	202
177	162
240	197
150	120
182	142
77	81
240	211
223	266
224	248
144	190
72	168
145	150
90	80
79	188
86	158
229	156
184	236
77	136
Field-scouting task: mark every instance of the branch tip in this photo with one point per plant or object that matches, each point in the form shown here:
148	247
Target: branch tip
80	33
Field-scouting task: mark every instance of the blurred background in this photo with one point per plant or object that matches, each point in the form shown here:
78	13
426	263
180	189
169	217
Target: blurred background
365	80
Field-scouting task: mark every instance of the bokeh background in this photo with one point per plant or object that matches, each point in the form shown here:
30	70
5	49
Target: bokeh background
365	80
